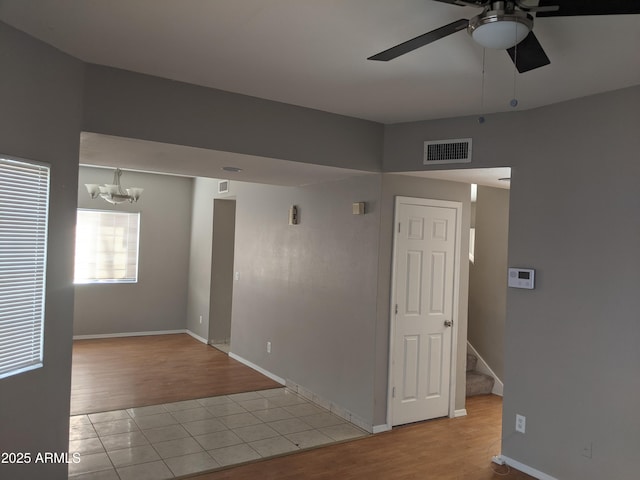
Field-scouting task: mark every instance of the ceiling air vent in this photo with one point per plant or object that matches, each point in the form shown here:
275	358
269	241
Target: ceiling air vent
447	151
223	186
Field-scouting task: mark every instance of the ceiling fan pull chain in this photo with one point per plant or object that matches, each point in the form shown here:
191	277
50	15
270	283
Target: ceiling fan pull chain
514	100
484	57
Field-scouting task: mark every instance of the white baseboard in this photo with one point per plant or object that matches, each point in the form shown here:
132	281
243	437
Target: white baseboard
381	428
128	334
249	364
347	415
462	412
333	407
527	469
196	336
498	386
140	334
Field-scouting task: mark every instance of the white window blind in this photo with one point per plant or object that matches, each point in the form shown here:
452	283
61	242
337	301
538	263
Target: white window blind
106	246
24	206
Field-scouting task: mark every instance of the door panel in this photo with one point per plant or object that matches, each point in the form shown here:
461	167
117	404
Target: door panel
438	279
411	360
414	283
434	370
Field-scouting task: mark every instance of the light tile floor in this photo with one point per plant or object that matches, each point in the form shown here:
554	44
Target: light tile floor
175	439
223	347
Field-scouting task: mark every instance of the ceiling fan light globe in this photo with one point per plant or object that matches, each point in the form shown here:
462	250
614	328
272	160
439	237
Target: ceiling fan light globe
500	31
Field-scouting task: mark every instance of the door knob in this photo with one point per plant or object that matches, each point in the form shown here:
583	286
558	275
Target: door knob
448	323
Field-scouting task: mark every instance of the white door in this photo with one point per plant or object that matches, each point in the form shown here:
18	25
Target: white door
425	279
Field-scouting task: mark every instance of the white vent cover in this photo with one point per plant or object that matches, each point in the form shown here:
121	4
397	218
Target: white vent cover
223	186
447	151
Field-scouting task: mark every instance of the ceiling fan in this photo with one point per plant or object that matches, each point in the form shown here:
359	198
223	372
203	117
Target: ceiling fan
508	25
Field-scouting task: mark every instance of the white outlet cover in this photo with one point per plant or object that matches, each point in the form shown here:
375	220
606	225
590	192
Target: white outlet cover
521	423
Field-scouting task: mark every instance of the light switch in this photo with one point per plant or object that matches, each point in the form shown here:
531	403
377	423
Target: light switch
358	208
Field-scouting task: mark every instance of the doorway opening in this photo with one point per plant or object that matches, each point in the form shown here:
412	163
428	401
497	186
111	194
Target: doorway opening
487	233
222	260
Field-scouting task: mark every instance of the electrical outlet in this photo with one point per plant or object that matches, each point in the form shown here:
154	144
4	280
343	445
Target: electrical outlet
268	347
587	451
521	423
200	318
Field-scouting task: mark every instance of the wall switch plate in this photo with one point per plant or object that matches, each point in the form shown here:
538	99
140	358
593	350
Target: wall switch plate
200	318
521	423
268	347
294	216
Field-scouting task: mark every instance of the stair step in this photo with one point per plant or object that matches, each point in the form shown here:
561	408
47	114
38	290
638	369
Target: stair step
472	362
479	383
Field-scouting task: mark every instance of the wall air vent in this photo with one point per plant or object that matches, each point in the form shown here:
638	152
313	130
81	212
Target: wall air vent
447	151
223	186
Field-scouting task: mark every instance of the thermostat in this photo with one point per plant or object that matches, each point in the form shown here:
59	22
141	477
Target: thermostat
521	278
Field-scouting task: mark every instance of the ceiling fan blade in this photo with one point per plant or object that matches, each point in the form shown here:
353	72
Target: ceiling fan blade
571	8
528	54
465	3
420	41
451	2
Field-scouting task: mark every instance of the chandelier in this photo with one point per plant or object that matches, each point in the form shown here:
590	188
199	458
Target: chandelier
114	193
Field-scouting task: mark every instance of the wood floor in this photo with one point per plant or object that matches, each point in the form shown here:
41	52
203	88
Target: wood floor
445	449
111	374
116	373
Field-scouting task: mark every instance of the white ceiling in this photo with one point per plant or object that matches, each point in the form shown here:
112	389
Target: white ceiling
489	177
313	52
141	155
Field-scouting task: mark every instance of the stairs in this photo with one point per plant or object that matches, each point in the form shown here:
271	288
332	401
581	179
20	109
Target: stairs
477	383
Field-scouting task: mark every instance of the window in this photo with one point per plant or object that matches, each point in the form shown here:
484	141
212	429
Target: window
24	207
106	247
472	245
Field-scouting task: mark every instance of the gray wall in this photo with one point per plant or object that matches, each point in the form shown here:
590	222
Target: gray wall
571	353
222	257
310	289
402	185
41	95
571	345
199	282
128	104
288	291
159	300
488	279
139	106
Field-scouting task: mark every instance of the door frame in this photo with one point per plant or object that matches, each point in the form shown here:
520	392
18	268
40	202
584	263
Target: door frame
398	200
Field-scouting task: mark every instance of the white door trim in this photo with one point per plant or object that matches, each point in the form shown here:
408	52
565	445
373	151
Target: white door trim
456	298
